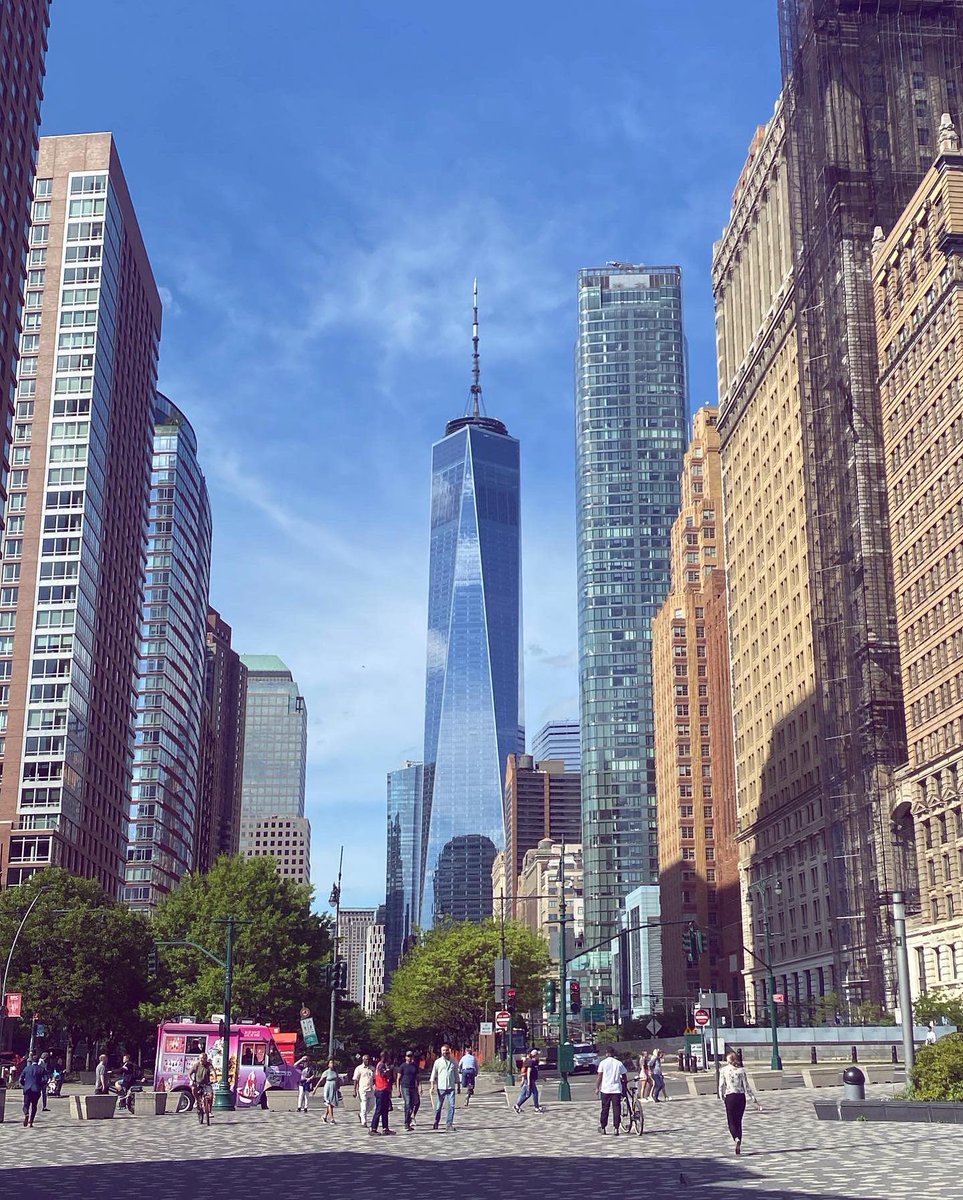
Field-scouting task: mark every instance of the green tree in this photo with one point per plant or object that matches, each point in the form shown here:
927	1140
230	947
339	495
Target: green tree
445	986
938	1074
277	952
936	1006
80	960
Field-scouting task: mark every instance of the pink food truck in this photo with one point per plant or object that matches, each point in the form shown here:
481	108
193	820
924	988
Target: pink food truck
256	1063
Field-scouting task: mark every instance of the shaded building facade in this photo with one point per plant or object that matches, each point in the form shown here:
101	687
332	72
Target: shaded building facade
918	278
697	856
72	571
23	42
474	674
631	425
222	745
542	800
405	860
167	788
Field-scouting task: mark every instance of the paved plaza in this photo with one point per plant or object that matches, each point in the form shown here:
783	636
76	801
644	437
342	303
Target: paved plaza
684	1151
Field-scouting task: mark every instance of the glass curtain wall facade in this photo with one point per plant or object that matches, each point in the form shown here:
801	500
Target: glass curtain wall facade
474	675
275	747
631	428
406	846
166	788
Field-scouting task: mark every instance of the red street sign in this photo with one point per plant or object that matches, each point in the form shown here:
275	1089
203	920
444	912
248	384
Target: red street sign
13	1001
779	997
701	1017
503	1020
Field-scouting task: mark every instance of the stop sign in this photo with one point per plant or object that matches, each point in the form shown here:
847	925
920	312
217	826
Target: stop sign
502	1020
701	1017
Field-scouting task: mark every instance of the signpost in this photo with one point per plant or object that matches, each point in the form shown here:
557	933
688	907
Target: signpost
485	1027
701	1017
654	1026
13	1001
503	1020
308	1031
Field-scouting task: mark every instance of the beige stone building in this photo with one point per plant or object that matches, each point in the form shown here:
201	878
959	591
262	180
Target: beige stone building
539	892
780	817
698	861
918	282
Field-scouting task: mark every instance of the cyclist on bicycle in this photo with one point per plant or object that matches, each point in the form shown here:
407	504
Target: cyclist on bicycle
202	1085
126	1078
468	1066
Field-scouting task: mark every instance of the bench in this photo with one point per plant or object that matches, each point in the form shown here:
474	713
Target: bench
819	1077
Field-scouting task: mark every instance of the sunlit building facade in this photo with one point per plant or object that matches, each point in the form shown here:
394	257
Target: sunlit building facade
404	861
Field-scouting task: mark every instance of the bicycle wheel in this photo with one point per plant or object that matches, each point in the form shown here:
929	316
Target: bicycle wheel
627	1118
639	1112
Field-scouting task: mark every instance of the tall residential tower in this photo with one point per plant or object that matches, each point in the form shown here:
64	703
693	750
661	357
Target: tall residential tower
73	556
631	420
474	675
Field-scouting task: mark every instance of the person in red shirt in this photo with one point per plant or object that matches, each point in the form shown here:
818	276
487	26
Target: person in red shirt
384	1078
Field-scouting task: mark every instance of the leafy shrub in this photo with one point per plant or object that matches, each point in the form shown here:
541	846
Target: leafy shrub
938	1074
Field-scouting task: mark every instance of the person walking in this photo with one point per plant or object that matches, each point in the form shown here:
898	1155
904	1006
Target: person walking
384	1078
645	1078
468	1069
610	1085
31	1080
658	1078
529	1083
363	1080
329	1078
45	1063
409	1088
306	1082
443	1082
734	1087
101	1082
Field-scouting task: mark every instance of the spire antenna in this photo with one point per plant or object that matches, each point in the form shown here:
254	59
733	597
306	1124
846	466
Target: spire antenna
475	362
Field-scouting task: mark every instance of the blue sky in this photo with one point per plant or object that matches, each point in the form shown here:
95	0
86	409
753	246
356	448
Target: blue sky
317	184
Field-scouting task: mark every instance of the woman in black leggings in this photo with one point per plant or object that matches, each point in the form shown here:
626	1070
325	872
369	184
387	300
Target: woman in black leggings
734	1088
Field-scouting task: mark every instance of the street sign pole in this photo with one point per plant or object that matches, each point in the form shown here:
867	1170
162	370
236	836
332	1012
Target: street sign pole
564	1087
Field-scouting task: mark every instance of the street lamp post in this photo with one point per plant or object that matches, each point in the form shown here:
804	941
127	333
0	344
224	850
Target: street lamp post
564	1087
13	946
335	900
760	889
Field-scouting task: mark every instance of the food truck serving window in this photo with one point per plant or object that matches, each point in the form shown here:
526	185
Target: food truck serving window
196	1043
275	1057
253	1054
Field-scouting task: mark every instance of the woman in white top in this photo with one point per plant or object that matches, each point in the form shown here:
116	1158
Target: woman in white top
734	1087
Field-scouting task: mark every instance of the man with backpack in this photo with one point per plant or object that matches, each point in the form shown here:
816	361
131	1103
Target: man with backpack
384	1078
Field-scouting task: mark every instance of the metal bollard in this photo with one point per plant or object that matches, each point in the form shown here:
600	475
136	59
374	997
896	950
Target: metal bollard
812	1055
852	1054
894	1057
854	1084
738	1058
681	1060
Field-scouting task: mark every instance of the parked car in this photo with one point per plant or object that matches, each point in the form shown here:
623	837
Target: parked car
587	1057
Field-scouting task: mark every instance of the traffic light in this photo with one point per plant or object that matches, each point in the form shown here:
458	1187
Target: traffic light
325	973
574	995
550	996
152	961
702	940
341	976
510	996
687	947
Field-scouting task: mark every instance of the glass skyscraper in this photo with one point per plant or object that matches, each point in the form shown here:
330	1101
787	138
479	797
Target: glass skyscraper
164	808
473	690
406	846
631	414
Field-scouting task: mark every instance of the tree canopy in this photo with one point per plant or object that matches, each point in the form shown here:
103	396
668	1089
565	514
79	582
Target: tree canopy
81	958
445	986
277	950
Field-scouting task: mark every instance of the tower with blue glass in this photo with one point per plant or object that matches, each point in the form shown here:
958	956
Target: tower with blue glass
473	707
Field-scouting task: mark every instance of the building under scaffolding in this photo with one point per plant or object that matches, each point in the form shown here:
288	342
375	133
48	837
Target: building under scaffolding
865	82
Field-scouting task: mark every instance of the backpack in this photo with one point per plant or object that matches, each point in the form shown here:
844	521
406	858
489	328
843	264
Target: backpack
382	1079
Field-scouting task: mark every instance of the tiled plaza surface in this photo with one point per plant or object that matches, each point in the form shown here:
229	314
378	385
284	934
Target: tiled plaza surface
685	1151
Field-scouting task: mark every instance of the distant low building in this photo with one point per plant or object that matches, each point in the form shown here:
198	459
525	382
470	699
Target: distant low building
637	956
540	891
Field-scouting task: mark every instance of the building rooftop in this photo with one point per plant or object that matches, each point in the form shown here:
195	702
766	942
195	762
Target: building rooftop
265	664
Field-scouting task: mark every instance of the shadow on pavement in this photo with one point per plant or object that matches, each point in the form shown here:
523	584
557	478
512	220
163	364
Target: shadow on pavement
293	1177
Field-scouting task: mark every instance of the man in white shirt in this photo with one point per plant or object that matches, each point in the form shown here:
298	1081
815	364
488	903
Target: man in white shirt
363	1080
443	1082
610	1084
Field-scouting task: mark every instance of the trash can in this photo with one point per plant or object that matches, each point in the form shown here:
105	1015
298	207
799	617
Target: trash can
854	1084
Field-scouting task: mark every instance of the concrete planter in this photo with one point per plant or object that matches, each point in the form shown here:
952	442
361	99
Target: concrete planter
826	1110
150	1104
703	1084
908	1110
3	1101
868	1110
925	1111
282	1100
946	1112
93	1108
819	1077
774	1081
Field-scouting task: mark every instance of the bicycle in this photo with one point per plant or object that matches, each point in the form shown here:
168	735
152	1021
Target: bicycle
633	1112
468	1085
204	1098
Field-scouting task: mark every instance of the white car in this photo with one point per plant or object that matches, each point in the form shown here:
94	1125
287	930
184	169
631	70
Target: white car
586	1057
